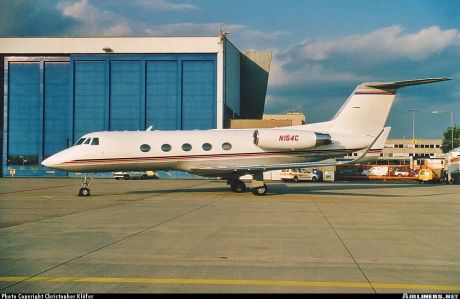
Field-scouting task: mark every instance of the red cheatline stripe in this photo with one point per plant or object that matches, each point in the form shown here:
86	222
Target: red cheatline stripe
199	156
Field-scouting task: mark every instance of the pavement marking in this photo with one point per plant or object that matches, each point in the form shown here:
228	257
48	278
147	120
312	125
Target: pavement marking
197	281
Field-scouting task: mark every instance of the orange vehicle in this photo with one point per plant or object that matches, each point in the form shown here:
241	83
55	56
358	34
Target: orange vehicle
426	174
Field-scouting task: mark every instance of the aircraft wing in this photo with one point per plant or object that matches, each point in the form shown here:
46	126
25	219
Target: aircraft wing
250	168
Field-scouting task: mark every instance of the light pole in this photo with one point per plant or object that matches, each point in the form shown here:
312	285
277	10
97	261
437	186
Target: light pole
413	123
451	124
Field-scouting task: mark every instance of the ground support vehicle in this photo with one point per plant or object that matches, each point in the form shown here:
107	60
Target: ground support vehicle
299	174
140	175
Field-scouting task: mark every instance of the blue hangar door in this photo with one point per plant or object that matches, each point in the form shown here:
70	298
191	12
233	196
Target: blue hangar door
37	121
51	103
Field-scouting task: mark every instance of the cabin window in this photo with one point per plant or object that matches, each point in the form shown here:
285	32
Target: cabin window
88	141
186	147
206	146
145	148
95	141
226	146
166	147
80	141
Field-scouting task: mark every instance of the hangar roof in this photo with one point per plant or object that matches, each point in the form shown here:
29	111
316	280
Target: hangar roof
71	45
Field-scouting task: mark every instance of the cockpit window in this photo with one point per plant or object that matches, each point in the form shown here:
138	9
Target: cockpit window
88	141
95	141
80	141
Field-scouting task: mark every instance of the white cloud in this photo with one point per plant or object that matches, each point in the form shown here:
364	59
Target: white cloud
388	41
95	21
352	58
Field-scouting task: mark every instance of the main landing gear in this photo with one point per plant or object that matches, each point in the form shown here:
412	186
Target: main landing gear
84	190
236	185
258	187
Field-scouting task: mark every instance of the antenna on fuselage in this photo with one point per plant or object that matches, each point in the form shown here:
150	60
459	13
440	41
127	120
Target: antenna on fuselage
149	128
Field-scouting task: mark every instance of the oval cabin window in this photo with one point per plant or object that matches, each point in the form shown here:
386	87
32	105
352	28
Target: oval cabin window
227	146
207	146
186	147
145	148
166	147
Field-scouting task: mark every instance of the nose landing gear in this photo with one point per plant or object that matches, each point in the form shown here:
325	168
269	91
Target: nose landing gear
84	190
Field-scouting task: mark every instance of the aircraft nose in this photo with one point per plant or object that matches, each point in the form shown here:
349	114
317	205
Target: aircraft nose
54	161
49	162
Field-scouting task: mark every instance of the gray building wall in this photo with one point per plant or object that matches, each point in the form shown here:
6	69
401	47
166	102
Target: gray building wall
255	68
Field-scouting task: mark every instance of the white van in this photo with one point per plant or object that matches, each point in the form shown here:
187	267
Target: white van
298	174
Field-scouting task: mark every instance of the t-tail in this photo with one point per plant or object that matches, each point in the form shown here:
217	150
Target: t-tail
366	110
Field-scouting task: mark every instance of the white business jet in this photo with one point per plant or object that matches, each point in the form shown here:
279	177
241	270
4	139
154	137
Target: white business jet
232	153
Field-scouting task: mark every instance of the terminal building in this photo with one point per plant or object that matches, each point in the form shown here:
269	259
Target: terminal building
409	152
54	90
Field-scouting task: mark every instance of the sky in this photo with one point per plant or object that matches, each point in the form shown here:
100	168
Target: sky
321	49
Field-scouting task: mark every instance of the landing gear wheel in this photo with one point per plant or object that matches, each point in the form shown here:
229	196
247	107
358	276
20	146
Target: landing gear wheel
84	192
238	186
260	190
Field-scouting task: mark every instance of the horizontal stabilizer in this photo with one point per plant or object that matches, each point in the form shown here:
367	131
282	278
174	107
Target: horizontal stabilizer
400	84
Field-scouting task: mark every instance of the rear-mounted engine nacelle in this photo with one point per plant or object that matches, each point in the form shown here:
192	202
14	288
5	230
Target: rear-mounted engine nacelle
289	139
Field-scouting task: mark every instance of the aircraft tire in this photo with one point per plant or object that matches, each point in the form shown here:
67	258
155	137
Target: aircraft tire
259	191
238	186
84	192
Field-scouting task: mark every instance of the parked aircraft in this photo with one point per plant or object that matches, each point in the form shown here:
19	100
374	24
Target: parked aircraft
232	153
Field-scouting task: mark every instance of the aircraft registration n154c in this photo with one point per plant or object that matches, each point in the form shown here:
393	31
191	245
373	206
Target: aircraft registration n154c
232	153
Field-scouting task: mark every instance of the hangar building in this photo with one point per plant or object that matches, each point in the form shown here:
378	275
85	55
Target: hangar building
55	90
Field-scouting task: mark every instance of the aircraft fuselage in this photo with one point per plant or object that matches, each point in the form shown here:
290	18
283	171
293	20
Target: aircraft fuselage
191	151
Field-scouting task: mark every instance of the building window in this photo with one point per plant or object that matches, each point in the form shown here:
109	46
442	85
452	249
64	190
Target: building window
206	146
186	147
23	160
226	146
145	148
166	147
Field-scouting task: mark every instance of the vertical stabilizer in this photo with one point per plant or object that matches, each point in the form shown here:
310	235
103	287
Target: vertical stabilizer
366	110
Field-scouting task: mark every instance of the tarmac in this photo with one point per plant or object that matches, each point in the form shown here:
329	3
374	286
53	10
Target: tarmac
196	236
